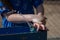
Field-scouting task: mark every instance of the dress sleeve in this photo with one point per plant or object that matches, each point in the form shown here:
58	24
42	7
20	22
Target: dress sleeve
36	3
3	8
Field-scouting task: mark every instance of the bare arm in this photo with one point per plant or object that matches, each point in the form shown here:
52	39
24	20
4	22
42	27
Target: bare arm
26	17
40	11
19	17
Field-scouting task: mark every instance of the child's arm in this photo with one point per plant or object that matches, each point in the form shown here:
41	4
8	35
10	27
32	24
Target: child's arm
21	17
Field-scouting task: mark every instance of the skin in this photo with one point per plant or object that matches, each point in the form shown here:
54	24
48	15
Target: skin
40	11
17	17
29	17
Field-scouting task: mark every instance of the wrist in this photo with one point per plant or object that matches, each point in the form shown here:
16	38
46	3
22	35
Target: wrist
36	20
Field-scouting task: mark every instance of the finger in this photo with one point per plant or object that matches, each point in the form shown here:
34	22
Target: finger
34	25
37	26
43	27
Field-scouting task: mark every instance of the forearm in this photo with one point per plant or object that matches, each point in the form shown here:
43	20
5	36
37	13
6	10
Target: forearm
40	9
25	17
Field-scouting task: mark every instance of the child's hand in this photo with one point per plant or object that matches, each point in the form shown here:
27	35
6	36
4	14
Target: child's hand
39	26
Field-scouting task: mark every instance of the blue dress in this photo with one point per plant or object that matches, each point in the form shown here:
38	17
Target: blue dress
23	6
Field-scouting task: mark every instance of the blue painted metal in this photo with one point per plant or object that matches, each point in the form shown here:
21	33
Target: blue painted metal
17	34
